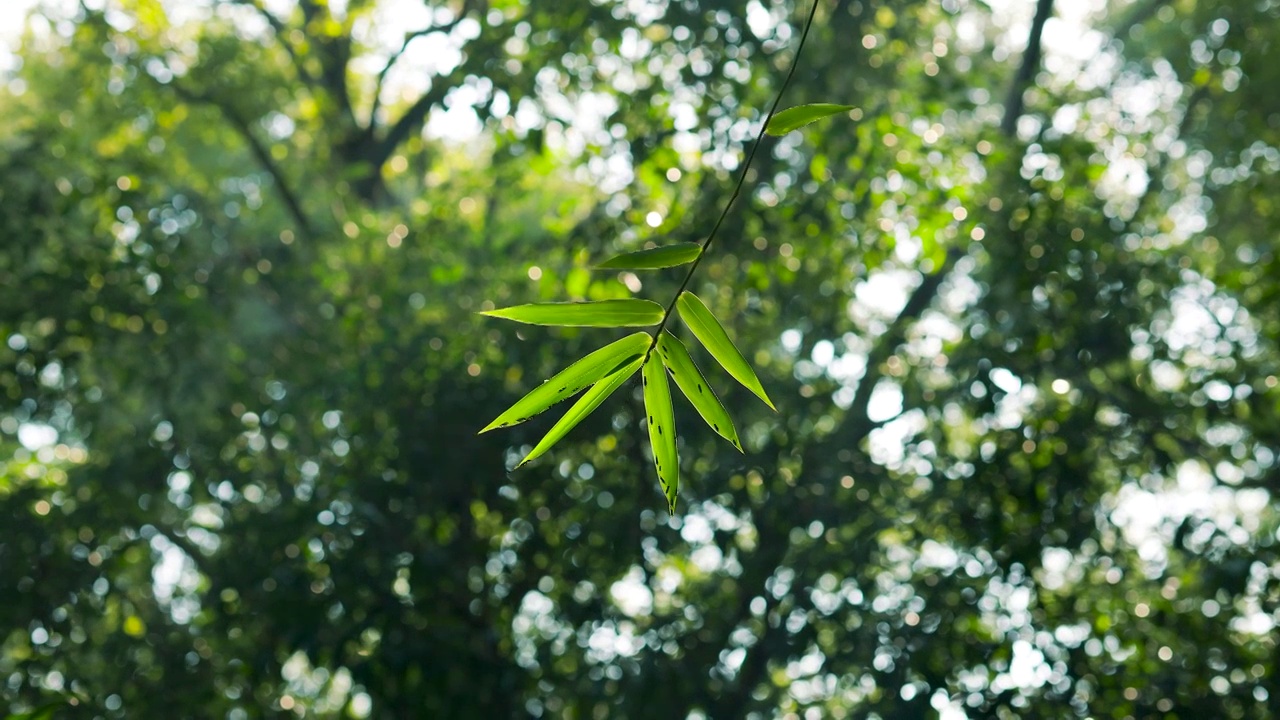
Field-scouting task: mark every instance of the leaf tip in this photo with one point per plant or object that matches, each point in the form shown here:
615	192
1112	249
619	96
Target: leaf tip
759	392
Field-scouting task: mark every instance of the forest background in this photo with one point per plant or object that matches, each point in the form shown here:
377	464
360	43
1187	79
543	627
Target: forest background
1018	311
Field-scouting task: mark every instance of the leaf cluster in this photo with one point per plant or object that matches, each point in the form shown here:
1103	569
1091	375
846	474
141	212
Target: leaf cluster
655	354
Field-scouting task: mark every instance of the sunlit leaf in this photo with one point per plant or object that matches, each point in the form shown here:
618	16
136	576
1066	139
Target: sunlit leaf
662	428
659	257
707	329
801	115
589	401
694	386
598	313
573	379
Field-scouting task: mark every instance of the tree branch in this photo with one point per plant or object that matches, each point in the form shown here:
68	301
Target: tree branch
412	118
857	423
1013	105
404	46
281	32
754	665
1139	15
260	153
1156	173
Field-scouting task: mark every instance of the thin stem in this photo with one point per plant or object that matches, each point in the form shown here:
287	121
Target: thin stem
742	179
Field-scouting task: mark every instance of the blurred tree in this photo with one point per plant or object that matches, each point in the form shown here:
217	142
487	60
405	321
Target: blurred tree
1024	357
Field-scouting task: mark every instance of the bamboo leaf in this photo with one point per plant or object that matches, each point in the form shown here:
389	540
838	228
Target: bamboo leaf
589	401
653	258
801	115
707	329
694	386
598	313
662	428
573	379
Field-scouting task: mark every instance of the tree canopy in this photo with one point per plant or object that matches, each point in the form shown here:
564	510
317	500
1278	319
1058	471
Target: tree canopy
1018	311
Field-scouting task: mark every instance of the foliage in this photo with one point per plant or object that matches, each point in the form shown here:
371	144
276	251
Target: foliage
671	355
1024	362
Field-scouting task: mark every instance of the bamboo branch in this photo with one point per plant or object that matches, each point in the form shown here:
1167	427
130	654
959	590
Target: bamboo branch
742	179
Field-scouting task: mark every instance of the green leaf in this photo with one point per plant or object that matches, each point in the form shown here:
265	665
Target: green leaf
598	313
707	329
801	115
44	712
573	379
662	428
589	401
653	258
694	386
